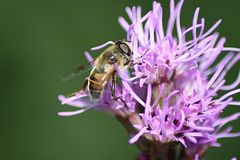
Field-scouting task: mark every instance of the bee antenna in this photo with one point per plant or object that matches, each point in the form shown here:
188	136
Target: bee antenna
102	46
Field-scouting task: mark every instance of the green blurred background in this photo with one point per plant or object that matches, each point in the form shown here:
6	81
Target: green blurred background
40	42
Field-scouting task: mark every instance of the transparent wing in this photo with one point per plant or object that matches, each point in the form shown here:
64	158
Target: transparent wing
78	71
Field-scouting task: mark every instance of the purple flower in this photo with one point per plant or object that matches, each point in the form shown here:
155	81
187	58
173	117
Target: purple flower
171	94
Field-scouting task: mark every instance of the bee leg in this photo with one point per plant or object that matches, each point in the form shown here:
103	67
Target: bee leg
113	85
113	91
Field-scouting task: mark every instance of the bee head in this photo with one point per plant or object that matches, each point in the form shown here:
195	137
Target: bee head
124	48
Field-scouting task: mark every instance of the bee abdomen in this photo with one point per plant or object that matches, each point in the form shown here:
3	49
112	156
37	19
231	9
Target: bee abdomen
95	89
95	95
96	82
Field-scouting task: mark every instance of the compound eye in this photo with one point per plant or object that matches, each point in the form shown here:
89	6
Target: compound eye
125	48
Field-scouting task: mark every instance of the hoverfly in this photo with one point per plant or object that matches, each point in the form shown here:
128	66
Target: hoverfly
103	69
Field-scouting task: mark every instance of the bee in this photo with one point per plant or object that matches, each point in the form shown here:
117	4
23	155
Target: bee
104	70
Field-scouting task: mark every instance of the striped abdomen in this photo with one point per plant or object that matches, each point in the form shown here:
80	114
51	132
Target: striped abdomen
96	83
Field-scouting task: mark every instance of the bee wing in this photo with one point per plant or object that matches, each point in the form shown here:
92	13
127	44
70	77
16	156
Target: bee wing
78	71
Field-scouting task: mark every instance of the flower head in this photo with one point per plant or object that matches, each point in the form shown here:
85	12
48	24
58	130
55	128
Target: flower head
171	93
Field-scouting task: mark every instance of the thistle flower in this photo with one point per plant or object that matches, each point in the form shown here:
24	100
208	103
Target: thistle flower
171	94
